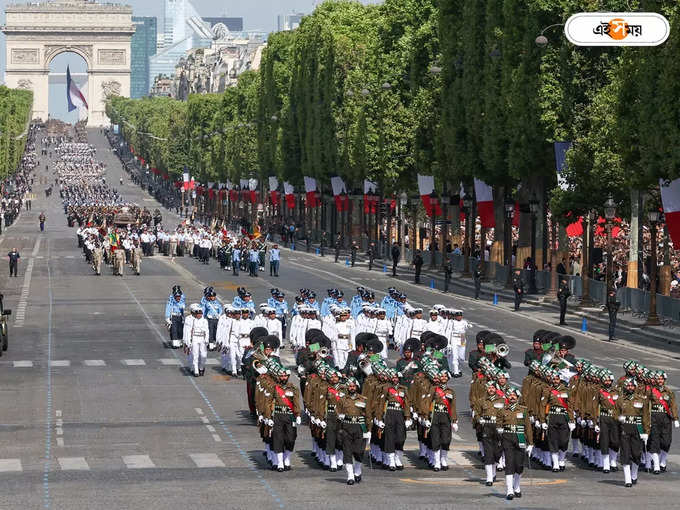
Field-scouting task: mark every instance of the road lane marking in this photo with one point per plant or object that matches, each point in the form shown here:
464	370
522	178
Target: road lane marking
73	464
23	364
134	362
198	409
206	460
94	363
217	438
138	462
170	362
204	419
210	428
7	465
60	363
20	318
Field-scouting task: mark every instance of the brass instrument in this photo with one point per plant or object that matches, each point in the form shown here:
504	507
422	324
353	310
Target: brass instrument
502	350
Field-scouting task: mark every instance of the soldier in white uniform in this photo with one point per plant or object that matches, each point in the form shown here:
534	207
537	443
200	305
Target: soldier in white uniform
342	340
234	338
456	335
223	336
382	328
436	324
196	339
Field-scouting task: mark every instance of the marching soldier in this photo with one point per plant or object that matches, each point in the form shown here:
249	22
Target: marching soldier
393	419
633	413
456	335
97	256
212	310
487	411
516	432
196	339
664	416
536	351
174	317
441	400
285	417
608	427
137	258
557	418
353	414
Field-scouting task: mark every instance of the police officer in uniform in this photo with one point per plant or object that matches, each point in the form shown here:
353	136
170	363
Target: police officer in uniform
563	294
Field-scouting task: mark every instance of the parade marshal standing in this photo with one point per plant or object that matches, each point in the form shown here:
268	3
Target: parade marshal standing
13	261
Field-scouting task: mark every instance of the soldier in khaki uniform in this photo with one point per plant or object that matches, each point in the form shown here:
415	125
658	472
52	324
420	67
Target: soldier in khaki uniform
608	427
441	400
353	414
393	418
137	258
285	413
118	262
487	411
664	417
517	439
632	410
97	256
557	418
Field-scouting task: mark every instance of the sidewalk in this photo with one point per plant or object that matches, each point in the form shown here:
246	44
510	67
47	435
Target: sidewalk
541	305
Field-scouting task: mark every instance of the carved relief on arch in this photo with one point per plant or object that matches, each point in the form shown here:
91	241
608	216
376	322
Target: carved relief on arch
52	50
111	88
25	84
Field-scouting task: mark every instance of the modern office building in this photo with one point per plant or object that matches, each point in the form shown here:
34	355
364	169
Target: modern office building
142	48
233	24
183	30
289	21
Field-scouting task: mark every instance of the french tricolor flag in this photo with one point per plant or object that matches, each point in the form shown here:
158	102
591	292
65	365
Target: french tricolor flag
74	96
670	197
484	197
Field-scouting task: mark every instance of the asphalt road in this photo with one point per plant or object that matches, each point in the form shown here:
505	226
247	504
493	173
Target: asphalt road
97	412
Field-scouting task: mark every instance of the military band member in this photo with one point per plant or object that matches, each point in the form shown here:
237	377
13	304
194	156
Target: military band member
443	419
285	417
487	411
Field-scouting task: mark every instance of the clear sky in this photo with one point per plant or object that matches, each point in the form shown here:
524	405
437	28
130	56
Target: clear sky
256	14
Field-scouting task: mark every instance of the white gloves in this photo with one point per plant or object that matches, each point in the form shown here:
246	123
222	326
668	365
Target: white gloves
597	428
454	427
381	424
341	416
323	424
544	426
408	424
530	448
572	426
427	424
531	419
622	419
269	422
590	423
367	435
499	430
298	421
676	424
644	437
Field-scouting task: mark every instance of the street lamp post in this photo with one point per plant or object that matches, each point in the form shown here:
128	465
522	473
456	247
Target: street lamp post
434	202
610	214
467	244
534	207
509	215
652	317
403	202
446	200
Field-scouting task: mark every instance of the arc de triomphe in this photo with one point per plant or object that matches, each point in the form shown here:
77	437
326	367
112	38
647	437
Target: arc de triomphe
100	33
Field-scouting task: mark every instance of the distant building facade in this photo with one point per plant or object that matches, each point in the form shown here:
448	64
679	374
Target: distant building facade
142	48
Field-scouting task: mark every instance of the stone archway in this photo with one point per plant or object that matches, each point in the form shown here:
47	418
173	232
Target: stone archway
99	33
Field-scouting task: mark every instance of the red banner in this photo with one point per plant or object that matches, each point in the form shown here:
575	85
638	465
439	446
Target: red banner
290	201
275	198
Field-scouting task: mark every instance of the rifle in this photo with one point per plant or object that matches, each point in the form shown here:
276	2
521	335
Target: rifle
431	415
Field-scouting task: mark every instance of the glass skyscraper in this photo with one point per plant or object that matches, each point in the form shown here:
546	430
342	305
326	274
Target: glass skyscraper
143	47
183	30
